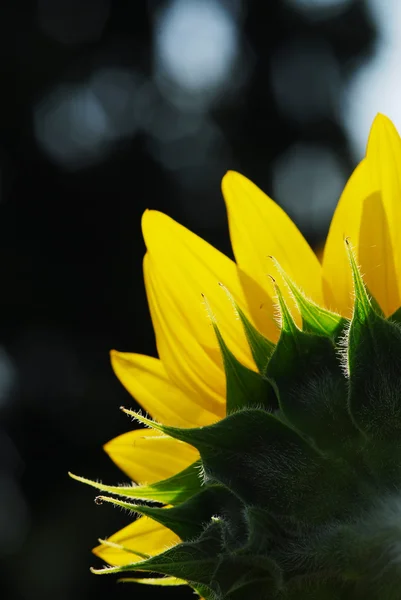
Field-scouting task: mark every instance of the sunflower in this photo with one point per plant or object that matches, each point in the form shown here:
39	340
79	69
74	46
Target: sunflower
219	328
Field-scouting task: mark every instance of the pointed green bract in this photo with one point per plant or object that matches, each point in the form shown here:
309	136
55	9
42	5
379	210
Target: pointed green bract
374	364
280	456
243	386
314	398
315	319
364	303
187	519
218	577
173	490
299	496
288	324
261	347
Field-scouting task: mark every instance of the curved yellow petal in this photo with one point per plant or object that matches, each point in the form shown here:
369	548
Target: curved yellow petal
259	228
375	254
179	267
191	367
346	222
146	456
146	379
368	212
143	535
383	155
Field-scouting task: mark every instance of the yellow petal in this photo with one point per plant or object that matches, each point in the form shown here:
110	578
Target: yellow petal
143	535
146	456
191	367
375	254
346	222
368	212
384	158
259	228
147	381
179	267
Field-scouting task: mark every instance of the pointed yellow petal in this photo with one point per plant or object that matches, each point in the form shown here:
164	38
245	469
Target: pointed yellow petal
179	267
375	254
368	213
346	222
259	228
384	158
147	381
143	535
146	456
194	369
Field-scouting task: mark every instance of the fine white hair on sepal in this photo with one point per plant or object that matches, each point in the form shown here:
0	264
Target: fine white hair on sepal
342	350
231	299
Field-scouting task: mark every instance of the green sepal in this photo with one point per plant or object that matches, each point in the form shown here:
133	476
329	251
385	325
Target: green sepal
172	490
190	561
374	365
263	530
376	306
202	563
244	388
187	520
260	346
311	388
315	319
285	465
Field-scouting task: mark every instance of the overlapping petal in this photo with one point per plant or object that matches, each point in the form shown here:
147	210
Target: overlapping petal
259	228
346	222
146	456
381	227
179	267
143	535
186	386
369	213
195	369
147	381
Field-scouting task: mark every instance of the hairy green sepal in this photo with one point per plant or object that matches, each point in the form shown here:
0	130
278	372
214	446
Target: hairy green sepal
297	494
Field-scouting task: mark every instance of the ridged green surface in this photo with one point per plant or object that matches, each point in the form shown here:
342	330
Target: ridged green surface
300	496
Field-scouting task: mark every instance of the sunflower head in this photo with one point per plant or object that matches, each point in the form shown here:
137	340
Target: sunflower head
271	468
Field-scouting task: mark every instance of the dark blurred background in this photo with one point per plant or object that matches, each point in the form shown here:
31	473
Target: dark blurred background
108	107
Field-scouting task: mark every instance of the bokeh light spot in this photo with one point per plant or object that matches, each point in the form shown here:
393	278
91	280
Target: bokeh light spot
196	43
